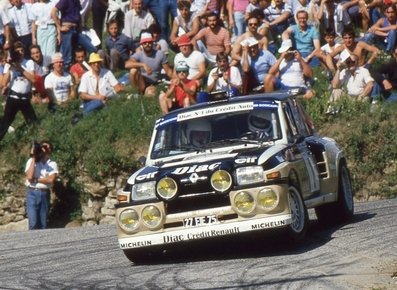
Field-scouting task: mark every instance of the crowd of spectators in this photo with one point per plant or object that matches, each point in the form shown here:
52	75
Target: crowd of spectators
49	55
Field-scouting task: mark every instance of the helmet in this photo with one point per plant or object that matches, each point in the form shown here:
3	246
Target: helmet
260	121
198	132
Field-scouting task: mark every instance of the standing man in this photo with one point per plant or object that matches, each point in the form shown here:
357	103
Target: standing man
5	30
21	22
41	173
17	82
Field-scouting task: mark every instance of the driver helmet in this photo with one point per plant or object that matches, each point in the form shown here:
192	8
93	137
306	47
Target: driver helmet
199	132
260	121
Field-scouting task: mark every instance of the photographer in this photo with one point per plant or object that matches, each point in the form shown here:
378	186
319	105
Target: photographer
17	87
41	173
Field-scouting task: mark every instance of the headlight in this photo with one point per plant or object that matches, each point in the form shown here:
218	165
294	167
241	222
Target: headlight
151	216
142	191
129	219
249	174
244	202
267	199
167	188
221	180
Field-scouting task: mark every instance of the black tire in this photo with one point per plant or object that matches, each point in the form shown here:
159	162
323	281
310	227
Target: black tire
300	219
143	255
342	210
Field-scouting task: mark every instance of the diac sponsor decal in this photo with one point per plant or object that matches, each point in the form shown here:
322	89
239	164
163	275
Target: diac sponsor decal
195	168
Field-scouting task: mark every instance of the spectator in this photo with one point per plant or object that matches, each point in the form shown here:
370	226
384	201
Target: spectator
305	37
181	92
17	82
236	9
359	48
329	46
193	58
159	43
44	31
136	20
355	79
21	23
255	64
272	13
41	173
145	66
97	85
252	23
325	12
224	77
290	71
5	30
59	84
185	23
41	69
385	77
80	65
118	47
251	7
213	39
99	8
162	9
199	7
384	30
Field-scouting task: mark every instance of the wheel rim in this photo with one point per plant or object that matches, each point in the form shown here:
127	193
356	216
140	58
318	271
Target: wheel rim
346	188
297	211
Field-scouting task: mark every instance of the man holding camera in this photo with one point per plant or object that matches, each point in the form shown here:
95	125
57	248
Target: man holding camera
41	173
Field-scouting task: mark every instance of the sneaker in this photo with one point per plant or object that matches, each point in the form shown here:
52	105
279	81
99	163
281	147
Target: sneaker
11	129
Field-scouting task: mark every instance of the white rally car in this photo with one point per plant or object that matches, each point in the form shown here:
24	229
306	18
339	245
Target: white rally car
243	164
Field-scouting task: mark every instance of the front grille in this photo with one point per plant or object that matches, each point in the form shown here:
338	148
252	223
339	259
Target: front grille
193	202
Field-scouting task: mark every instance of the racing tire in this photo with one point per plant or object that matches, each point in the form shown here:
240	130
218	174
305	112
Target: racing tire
300	218
342	210
143	255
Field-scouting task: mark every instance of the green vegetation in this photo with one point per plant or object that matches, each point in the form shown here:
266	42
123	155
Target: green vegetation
108	143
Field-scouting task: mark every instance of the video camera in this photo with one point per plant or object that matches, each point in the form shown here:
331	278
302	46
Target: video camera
37	150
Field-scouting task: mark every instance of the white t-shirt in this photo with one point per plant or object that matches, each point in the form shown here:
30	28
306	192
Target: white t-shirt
327	50
60	86
41	170
291	74
221	84
107	81
355	84
18	82
193	61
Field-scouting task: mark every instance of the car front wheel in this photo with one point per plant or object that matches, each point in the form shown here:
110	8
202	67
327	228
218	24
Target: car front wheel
300	219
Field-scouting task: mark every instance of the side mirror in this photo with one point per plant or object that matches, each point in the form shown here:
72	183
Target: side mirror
142	160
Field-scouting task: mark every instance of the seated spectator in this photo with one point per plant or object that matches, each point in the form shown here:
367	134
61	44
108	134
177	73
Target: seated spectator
329	46
351	46
185	23
385	77
274	13
347	12
159	43
356	80
213	39
80	66
97	85
194	59
252	24
251	7
256	63
384	30
41	69
136	20
224	77
305	37
181	92
145	66
290	71
59	84
118	47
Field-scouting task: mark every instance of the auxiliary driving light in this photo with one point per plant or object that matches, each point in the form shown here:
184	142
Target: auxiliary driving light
221	180
129	219
267	199
244	202
167	188
151	216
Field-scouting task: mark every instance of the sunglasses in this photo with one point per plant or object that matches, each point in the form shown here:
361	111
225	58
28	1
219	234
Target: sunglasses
253	24
182	71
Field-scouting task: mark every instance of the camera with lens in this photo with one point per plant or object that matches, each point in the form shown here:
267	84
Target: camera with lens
37	150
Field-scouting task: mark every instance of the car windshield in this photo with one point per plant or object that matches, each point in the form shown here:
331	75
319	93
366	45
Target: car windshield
182	135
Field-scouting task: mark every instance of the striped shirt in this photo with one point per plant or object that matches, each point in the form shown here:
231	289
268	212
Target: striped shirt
215	42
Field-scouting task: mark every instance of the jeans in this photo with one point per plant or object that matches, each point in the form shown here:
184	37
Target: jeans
378	92
37	206
69	40
239	23
165	7
388	43
90	106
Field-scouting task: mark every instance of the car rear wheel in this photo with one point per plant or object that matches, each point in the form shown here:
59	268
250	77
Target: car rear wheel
300	219
342	210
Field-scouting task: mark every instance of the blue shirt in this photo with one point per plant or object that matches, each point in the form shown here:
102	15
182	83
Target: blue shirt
261	64
304	39
121	43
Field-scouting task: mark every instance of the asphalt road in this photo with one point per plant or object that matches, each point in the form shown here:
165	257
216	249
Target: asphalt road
359	255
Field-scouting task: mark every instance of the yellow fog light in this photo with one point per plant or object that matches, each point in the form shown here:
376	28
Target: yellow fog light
151	216
244	202
166	188
267	199
221	180
129	219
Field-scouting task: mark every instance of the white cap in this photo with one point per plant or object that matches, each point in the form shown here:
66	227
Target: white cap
285	45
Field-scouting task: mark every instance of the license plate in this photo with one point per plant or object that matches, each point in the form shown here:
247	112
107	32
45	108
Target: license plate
200	221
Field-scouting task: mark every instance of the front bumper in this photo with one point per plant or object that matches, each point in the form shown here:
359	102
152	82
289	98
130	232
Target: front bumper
204	232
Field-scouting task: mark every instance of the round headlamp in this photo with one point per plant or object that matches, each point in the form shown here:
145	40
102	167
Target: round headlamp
221	180
151	216
129	219
244	202
267	199
166	188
